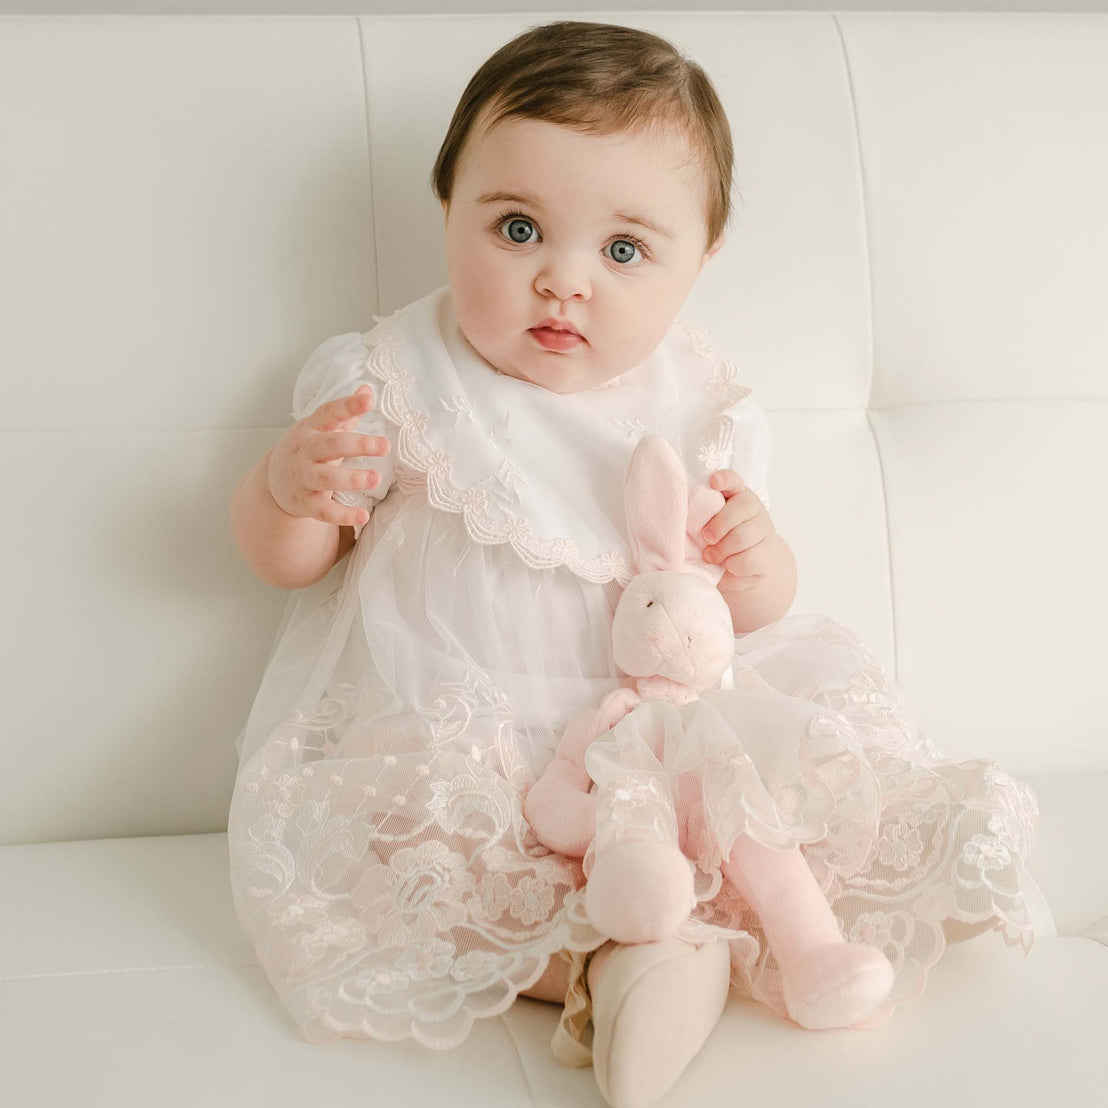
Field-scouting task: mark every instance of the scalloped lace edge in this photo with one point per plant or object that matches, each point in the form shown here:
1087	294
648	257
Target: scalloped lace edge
472	502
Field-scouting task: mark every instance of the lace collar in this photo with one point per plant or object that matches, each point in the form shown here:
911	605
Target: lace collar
540	470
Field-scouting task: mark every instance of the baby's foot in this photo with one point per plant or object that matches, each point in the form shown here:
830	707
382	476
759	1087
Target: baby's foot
654	1004
836	985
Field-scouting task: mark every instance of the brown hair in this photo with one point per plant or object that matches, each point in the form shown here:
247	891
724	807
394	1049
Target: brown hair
600	78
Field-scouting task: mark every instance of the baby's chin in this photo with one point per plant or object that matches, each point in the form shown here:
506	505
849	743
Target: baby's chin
564	373
569	378
567	384
572	383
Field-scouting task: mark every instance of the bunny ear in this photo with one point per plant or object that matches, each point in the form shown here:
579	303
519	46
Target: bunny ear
657	497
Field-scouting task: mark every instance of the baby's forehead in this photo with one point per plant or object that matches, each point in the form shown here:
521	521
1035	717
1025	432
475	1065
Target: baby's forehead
634	155
670	138
650	175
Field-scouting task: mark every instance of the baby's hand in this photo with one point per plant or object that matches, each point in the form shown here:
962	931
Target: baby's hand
304	465
738	533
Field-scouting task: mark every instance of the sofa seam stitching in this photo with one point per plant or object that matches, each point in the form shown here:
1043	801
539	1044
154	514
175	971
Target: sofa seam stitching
125	969
103	432
359	20
870	338
865	206
519	1058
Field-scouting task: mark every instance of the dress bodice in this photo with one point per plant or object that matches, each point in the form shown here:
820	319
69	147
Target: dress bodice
538	470
497	547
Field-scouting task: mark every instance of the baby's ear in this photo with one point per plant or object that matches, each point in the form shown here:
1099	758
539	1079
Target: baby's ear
657	498
714	250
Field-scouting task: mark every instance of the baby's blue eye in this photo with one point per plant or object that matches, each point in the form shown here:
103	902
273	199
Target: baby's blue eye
517	229
623	250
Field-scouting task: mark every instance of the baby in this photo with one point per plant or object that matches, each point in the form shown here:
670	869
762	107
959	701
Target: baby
468	454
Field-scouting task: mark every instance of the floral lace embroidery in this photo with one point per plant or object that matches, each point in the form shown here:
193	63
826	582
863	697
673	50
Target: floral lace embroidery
383	868
950	843
723	385
488	519
459	407
633	427
898	839
385	873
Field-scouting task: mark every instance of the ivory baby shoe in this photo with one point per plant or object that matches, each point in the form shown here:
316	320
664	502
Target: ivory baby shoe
653	1006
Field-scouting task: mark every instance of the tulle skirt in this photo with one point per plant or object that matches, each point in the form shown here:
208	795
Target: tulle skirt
814	748
380	862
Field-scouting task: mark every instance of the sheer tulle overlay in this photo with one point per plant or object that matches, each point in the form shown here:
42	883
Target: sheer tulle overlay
380	862
380	858
814	747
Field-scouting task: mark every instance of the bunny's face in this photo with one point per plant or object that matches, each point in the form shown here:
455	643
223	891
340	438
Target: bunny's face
674	625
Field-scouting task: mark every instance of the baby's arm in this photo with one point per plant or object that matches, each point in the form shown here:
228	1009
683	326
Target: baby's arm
283	518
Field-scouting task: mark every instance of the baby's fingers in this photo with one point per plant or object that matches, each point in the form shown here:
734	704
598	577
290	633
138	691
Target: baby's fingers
324	477
336	414
727	481
329	446
324	507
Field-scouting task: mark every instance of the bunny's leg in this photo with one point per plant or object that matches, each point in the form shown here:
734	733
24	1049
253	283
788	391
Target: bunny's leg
826	981
640	885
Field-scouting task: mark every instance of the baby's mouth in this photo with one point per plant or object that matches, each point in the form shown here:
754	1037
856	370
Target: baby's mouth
551	339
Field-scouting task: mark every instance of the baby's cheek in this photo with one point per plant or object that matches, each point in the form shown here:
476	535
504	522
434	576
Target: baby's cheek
471	309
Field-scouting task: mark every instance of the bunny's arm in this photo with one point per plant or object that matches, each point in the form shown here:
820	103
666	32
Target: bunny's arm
559	806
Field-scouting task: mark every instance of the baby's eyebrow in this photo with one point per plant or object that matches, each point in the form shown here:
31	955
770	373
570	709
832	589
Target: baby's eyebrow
642	221
531	201
507	198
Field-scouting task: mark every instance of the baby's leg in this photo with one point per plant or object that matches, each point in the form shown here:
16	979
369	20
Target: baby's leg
554	983
957	931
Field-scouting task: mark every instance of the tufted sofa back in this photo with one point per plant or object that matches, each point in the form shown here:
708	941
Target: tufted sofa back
913	287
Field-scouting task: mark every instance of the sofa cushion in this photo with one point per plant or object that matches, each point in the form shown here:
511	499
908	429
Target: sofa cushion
1069	854
124	957
910	288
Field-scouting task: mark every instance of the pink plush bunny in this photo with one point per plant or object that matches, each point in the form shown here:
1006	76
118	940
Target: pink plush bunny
672	632
673	635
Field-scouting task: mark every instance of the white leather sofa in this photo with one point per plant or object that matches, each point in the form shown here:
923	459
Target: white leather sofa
915	289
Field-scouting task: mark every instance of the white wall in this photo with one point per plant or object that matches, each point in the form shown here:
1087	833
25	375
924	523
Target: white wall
553	10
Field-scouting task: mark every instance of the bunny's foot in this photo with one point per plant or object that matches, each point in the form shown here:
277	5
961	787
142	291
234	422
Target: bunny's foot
639	891
826	981
653	1006
835	985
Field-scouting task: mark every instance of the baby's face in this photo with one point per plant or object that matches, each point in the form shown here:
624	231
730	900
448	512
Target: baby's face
570	250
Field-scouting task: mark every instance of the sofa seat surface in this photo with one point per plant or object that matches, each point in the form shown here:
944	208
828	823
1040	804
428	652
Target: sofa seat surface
124	957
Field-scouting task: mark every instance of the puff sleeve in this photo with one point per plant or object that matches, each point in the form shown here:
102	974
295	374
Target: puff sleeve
752	444
336	368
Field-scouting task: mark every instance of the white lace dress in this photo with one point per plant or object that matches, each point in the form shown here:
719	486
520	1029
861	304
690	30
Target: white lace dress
380	863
